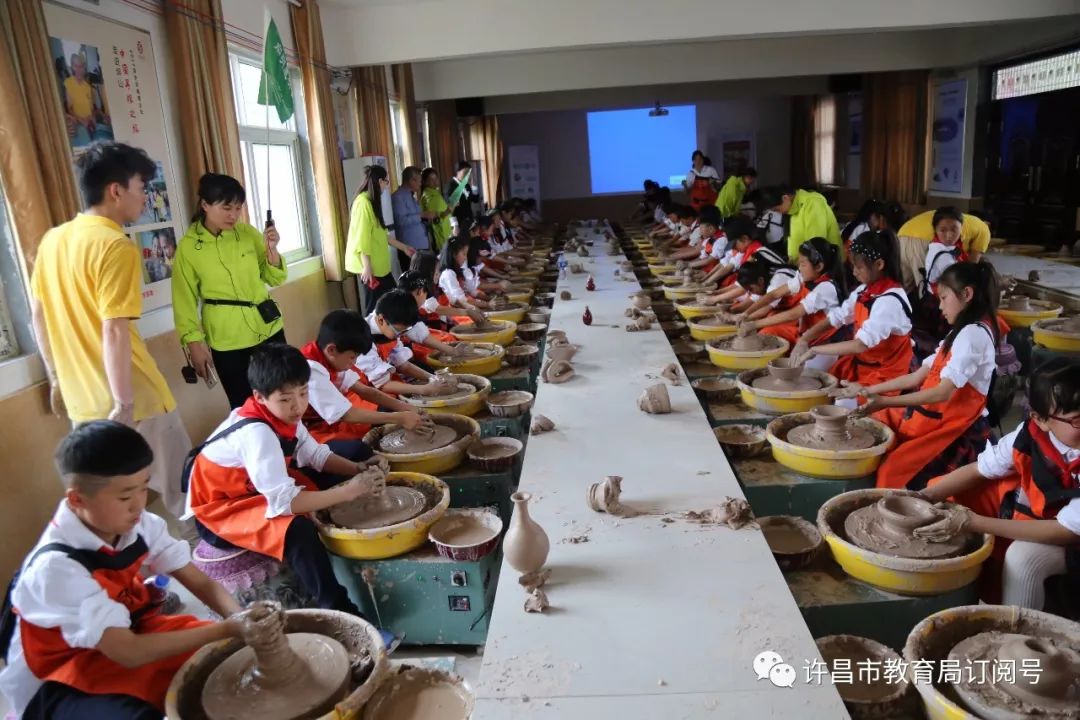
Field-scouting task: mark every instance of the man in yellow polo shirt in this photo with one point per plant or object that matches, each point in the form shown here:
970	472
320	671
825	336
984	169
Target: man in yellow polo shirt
917	233
86	291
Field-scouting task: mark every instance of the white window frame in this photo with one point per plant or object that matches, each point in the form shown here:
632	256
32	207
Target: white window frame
252	135
397	130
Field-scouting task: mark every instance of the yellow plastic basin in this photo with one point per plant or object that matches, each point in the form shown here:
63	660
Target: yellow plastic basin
899	575
706	331
514	312
1054	339
685	292
657	268
502	332
828	464
772	402
392	540
1041	310
689	310
467	405
485	366
737	360
431	462
520	297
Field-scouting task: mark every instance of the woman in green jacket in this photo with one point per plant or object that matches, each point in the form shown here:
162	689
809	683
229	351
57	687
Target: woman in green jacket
367	250
730	199
809	213
432	201
225	265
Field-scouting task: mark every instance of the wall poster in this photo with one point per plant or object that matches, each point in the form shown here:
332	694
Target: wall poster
947	134
108	87
524	162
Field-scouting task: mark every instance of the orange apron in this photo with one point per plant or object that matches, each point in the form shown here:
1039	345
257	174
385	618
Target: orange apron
790	330
225	501
423	352
925	431
50	658
316	426
889	359
702	193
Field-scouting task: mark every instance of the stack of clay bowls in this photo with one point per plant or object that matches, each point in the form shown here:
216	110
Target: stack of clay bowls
558	368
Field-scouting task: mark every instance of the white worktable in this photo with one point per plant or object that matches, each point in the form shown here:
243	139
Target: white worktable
648	619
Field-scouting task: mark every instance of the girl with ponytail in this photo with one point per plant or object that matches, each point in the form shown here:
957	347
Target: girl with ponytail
942	425
794	303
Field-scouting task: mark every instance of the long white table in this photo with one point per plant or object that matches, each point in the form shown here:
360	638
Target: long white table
648	619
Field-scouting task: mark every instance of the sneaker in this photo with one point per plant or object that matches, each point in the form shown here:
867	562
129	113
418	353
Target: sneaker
390	640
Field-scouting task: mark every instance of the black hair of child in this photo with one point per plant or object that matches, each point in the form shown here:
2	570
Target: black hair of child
398	307
1054	387
277	366
105	163
103	448
346	330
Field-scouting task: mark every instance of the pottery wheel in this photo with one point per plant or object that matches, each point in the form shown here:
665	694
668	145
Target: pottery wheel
808	436
234	691
1058	678
750	343
801	384
864	527
396	504
404	442
462	390
466	352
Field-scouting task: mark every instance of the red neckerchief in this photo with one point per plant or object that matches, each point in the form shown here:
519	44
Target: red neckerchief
1068	470
751	249
823	278
314	353
255	409
877	289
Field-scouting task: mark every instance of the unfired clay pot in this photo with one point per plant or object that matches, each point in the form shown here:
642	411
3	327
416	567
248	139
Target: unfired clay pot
526	544
655	400
563	353
641	302
557	371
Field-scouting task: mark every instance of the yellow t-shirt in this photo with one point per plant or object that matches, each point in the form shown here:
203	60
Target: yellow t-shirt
974	233
80	97
87	271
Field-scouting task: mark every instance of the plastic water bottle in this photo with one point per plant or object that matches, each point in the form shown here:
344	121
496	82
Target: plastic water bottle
161	599
562	264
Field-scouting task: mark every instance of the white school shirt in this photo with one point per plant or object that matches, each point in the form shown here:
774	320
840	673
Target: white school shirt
772	223
887	316
784	276
257	449
451	285
377	370
996	461
695	235
327	398
472	278
57	592
822	297
973	358
719	249
659	215
707	171
859	230
939	258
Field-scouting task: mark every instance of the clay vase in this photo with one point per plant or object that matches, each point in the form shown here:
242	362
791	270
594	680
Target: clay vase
586	317
641	302
590	284
901	514
655	400
526	544
1020	303
557	371
830	423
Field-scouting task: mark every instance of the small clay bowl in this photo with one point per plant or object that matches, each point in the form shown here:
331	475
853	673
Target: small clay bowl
494	454
521	355
665	312
741	441
716	389
786	530
688	351
456	520
673	328
531	332
509	403
544	299
785	369
864	702
538	315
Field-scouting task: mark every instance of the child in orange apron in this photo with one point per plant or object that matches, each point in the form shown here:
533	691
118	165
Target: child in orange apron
457	279
422	338
706	233
942	425
388	363
880	312
788	309
343	405
82	636
745	245
247	488
1025	490
437	311
944	250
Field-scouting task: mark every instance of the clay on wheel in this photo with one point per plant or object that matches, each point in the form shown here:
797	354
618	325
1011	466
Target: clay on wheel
402	441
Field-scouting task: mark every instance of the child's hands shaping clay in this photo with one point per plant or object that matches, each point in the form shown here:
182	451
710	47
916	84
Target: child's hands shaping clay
847	390
954	520
408	420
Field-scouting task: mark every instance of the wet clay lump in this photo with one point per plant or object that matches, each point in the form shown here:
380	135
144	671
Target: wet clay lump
887	527
403	442
831	431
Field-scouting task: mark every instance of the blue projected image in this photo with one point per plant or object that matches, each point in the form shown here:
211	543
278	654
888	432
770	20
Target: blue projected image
628	146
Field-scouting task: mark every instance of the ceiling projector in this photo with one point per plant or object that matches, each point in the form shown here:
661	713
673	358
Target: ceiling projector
658	111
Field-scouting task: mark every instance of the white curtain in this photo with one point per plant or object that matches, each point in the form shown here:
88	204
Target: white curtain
825	140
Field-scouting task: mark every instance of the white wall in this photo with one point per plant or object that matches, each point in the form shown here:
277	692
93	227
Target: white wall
562	137
366	33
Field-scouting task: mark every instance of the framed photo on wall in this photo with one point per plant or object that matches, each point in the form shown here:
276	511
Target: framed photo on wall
737	151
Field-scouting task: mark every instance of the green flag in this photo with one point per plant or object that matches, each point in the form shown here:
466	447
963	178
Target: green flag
274	87
455	195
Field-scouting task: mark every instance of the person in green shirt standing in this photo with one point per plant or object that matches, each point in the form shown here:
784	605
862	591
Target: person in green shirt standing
809	213
225	265
367	250
432	201
730	199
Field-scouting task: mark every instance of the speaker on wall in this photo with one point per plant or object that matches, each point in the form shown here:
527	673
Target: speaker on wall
470	107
